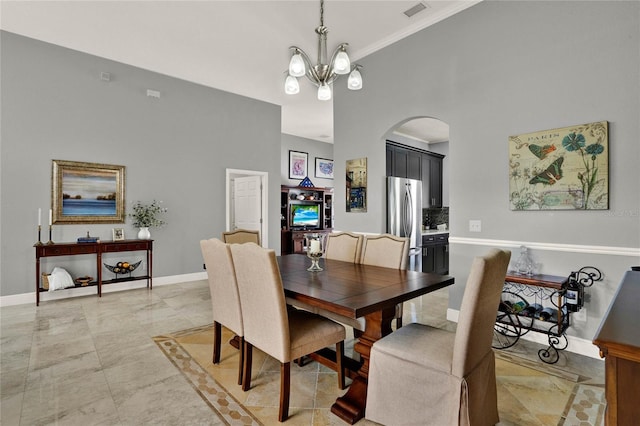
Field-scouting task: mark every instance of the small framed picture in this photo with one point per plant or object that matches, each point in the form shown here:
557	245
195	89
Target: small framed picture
324	168
298	164
118	234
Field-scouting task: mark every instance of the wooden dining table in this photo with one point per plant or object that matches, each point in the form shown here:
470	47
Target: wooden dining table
355	291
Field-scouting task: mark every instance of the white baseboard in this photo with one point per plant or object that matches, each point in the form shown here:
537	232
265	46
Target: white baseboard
576	345
26	298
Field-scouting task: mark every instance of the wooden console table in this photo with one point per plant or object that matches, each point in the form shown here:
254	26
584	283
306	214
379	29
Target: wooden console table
97	249
619	342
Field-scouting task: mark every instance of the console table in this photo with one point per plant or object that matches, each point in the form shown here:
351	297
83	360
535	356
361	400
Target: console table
97	249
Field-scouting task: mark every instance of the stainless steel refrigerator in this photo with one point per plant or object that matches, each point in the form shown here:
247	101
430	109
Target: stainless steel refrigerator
404	215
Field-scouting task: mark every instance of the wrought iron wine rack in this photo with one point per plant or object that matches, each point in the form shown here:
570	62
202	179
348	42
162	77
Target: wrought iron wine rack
522	309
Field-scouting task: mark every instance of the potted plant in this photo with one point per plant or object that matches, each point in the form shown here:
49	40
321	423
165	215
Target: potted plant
145	216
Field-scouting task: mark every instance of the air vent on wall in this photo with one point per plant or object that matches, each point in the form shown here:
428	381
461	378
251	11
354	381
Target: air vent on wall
415	9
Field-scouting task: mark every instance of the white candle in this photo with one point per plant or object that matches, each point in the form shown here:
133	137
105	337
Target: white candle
50	217
39	217
315	246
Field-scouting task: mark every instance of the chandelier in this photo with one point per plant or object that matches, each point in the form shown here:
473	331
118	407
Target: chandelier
322	74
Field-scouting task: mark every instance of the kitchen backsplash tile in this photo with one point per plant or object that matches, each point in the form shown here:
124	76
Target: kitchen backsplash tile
432	217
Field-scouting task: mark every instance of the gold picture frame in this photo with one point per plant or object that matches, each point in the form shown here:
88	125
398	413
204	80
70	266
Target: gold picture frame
87	192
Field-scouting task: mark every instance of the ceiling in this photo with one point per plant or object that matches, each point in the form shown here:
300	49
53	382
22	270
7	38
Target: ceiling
236	46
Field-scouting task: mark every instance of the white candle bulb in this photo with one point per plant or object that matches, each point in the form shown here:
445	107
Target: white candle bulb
315	246
50	217
39	217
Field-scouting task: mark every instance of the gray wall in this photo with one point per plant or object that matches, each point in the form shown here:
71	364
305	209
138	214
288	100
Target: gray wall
175	149
499	69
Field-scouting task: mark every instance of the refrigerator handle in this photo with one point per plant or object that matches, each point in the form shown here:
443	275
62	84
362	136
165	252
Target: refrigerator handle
408	204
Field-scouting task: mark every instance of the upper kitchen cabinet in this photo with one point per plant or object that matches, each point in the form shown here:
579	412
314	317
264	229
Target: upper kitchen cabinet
432	170
403	163
408	162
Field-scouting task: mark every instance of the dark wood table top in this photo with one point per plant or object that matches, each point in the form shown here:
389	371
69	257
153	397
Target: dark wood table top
619	331
353	290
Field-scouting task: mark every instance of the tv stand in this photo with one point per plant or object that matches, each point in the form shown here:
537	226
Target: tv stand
292	237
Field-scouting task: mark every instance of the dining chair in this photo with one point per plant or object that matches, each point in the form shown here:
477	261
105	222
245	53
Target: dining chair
425	375
225	299
285	334
388	251
344	246
241	236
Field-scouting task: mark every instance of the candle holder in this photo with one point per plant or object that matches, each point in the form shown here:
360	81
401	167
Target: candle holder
50	240
314	250
39	243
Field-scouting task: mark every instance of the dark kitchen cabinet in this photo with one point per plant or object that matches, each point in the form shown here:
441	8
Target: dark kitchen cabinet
406	162
435	253
431	180
403	163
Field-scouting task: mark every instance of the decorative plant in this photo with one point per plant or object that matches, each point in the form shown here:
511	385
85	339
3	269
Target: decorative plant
576	142
146	215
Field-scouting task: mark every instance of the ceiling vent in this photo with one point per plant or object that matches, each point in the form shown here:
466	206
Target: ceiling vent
415	9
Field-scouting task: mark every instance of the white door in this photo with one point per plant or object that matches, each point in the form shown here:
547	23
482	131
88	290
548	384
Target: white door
247	203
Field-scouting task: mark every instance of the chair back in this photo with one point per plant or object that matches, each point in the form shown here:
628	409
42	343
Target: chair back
474	332
266	324
385	250
223	286
241	236
343	246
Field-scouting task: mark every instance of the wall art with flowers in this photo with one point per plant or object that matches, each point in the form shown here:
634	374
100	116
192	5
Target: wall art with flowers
560	169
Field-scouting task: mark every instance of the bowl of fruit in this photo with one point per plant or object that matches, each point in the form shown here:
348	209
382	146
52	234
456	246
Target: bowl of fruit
123	267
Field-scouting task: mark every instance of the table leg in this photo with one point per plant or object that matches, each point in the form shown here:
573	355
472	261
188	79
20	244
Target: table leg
351	407
37	281
99	272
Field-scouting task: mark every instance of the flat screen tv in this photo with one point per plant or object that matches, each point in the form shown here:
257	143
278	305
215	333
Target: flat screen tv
305	216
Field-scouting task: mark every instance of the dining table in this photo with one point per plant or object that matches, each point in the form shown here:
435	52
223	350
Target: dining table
356	290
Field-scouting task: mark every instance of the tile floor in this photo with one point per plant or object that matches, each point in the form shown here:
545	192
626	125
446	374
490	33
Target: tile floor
90	360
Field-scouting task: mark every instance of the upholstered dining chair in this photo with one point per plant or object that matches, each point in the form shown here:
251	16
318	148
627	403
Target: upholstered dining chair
344	246
388	251
285	334
425	375
241	236
225	298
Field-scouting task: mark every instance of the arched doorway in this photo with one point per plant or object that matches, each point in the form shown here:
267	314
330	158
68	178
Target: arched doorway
427	134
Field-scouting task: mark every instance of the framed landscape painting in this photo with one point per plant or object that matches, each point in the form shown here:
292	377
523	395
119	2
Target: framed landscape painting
87	192
560	169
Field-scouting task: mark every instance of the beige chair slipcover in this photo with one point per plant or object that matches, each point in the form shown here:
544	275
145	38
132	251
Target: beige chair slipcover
420	375
388	251
268	324
225	298
241	236
385	250
343	246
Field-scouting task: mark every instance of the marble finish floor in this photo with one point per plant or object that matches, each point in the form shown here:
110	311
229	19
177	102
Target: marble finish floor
90	361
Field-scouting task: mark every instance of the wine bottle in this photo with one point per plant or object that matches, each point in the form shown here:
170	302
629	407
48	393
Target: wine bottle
533	310
546	314
574	295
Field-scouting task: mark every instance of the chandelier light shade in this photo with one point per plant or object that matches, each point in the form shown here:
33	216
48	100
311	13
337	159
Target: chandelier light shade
324	73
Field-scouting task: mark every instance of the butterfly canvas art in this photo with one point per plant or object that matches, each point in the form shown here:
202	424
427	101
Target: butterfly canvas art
560	169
